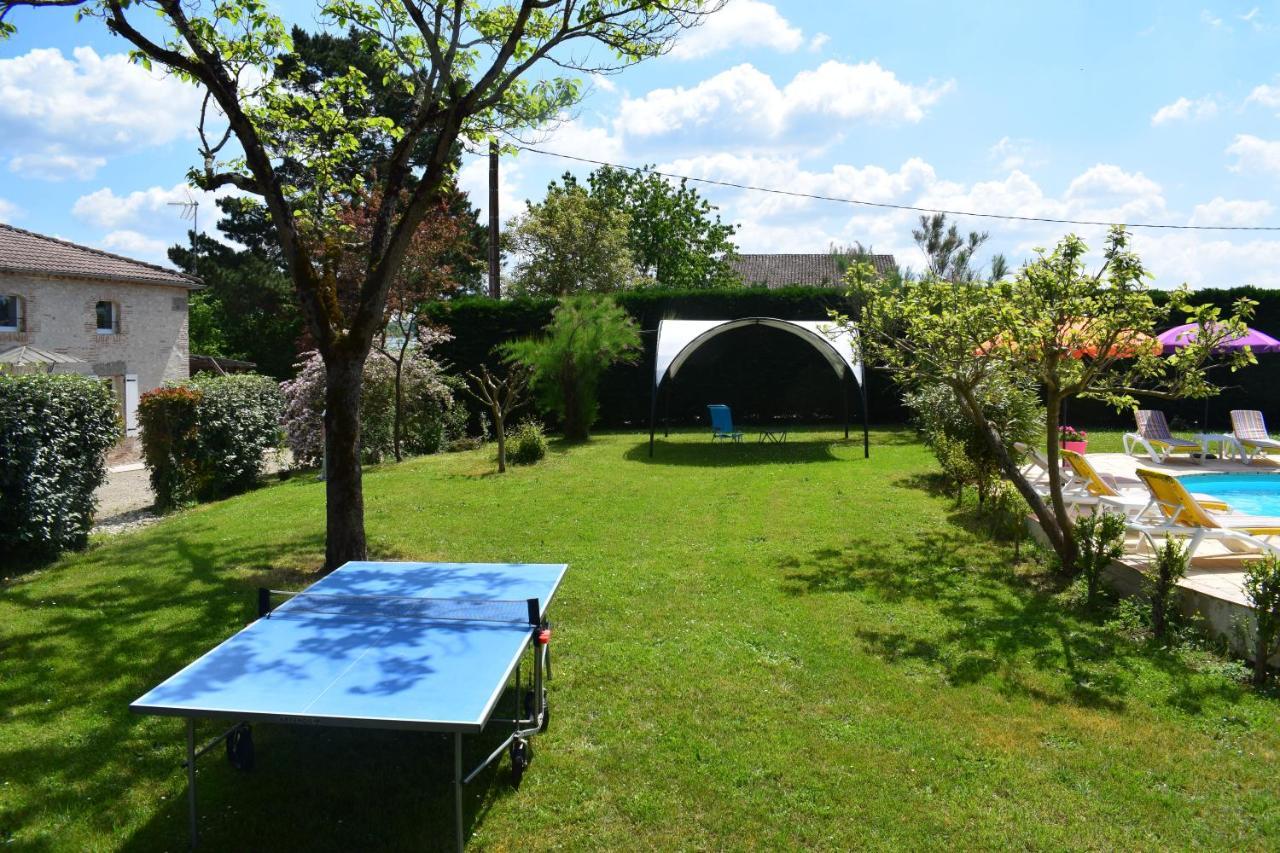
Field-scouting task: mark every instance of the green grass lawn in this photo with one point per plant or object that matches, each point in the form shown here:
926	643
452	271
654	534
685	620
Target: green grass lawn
757	647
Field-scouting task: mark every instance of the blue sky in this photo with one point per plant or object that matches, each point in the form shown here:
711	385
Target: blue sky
1155	112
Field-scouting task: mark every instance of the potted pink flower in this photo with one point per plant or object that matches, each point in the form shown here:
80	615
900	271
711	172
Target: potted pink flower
1074	439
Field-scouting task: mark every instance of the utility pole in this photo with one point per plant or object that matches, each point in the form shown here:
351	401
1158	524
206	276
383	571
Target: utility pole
495	287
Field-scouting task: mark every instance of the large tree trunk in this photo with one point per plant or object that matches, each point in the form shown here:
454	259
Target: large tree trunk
344	494
1068	553
397	426
1058	538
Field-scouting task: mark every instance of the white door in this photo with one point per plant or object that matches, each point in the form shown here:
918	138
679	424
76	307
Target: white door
131	404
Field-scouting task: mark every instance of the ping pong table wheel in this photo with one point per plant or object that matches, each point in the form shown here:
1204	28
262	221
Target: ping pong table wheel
240	748
519	761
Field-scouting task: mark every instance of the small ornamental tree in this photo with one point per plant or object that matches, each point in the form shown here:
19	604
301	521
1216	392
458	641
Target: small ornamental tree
586	335
1170	566
1069	331
1101	539
1262	586
431	415
501	395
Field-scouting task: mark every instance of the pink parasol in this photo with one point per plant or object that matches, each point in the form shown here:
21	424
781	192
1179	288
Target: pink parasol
1180	336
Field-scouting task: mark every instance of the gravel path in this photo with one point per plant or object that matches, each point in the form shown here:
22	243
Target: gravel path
124	502
125	499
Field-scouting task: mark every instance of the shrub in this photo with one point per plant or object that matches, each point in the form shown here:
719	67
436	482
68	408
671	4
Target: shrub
433	416
168	420
238	422
1171	565
961	449
1100	538
1262	586
206	438
586	335
527	443
54	432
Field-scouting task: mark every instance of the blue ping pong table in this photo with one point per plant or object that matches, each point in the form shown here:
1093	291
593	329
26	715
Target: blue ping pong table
418	646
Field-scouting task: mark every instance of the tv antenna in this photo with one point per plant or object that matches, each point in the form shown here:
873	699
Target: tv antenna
190	210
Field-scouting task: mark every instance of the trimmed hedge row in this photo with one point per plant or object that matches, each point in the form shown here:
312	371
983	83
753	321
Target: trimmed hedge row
766	375
762	373
55	431
205	438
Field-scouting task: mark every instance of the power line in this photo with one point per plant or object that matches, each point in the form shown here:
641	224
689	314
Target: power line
887	205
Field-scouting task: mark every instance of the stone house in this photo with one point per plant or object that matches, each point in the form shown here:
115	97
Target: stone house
121	319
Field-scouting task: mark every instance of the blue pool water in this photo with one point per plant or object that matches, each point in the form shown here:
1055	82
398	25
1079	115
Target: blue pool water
1255	494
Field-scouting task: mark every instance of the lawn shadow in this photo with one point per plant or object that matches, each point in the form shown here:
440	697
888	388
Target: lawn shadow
727	454
376	789
992	624
126	632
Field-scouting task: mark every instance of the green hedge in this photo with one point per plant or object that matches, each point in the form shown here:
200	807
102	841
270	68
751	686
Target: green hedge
765	375
54	433
206	438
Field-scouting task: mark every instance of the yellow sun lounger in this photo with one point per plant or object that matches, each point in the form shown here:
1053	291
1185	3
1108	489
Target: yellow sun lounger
1134	502
1182	516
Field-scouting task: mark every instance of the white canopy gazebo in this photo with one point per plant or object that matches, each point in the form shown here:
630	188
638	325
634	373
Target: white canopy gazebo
679	339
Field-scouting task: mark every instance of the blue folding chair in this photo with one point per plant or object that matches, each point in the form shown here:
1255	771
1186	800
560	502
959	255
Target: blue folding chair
722	423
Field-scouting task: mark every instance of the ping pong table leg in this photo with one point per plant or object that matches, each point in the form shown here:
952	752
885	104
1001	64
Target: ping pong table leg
457	789
191	782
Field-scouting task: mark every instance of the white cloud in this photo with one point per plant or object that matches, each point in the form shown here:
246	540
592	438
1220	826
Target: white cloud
1238	212
1213	21
1266	95
745	100
741	24
1254	154
1009	154
147	210
1107	192
55	164
137	246
9	211
1184	109
604	83
571	136
90	103
1254	19
1209	260
818	42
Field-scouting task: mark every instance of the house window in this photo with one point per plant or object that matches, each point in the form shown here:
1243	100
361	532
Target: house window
10	313
108	318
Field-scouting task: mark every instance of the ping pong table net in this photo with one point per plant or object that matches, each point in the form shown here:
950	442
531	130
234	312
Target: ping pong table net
393	607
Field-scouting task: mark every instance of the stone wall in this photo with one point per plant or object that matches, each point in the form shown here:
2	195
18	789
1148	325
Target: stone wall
60	314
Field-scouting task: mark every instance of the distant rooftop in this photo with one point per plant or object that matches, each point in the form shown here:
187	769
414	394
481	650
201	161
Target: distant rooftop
28	252
783	270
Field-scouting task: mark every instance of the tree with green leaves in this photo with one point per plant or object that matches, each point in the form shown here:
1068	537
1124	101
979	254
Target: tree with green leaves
948	254
470	69
675	236
570	242
587	334
1072	332
1262	586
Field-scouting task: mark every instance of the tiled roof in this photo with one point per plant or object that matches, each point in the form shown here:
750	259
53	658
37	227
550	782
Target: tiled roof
27	252
816	270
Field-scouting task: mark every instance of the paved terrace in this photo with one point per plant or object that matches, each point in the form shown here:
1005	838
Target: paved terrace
1214	581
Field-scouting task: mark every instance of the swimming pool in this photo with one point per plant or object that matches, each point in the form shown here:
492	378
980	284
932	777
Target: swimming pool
1255	494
